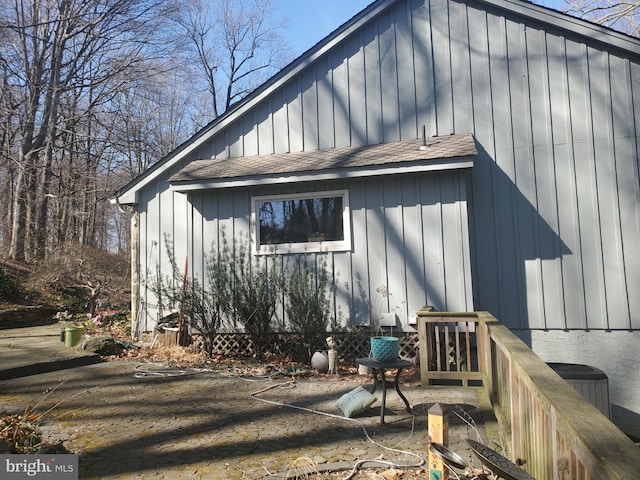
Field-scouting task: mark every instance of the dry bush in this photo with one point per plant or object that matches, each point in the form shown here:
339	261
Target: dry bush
79	274
21	433
175	356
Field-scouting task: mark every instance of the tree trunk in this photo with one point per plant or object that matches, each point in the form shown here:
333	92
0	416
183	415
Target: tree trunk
42	204
18	230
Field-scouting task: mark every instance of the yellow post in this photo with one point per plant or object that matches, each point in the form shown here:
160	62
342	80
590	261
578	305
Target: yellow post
438	419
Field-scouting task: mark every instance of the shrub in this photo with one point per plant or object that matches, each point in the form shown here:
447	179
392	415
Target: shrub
80	276
205	303
9	287
256	290
308	304
21	433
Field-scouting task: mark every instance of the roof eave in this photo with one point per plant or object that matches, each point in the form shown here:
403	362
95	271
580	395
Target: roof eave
315	176
609	38
127	198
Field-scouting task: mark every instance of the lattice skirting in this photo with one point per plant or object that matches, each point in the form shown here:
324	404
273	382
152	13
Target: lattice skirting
350	345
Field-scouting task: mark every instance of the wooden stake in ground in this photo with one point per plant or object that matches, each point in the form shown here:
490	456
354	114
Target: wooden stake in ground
438	419
185	284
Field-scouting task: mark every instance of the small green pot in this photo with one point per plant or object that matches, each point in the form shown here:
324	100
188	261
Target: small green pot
73	335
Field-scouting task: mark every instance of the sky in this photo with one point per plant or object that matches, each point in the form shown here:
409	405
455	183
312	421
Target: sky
312	20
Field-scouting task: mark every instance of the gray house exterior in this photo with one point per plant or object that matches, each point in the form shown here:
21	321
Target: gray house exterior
522	198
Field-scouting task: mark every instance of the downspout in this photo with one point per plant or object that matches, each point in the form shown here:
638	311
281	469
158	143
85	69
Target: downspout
136	334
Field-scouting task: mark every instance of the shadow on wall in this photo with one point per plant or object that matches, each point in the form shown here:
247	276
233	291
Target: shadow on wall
522	270
512	247
626	420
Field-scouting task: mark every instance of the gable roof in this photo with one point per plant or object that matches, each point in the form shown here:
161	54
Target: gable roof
542	16
438	153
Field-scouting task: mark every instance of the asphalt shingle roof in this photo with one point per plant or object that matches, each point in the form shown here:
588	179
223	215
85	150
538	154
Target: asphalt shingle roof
385	154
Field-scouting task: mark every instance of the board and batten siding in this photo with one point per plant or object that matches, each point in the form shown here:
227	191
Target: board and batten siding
555	190
551	203
409	236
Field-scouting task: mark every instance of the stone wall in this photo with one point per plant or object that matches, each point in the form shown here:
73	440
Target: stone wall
27	316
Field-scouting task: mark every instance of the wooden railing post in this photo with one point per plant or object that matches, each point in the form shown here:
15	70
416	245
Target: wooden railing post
424	347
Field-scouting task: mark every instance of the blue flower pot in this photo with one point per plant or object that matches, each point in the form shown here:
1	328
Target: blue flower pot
385	349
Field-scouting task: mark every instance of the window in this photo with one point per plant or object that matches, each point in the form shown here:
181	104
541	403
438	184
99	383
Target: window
307	222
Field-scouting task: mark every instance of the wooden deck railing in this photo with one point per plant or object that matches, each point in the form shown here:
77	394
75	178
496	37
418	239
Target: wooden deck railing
559	433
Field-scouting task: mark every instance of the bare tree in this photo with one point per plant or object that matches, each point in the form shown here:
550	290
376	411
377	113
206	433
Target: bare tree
620	15
8	133
55	50
150	118
93	92
236	45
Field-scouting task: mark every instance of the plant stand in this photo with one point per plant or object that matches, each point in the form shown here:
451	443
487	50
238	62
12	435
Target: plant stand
381	367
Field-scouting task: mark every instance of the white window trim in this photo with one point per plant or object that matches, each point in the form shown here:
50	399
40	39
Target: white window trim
306	247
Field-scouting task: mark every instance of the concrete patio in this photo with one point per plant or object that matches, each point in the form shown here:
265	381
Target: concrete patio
213	424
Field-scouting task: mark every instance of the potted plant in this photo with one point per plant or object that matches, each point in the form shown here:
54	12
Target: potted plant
383	348
73	331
